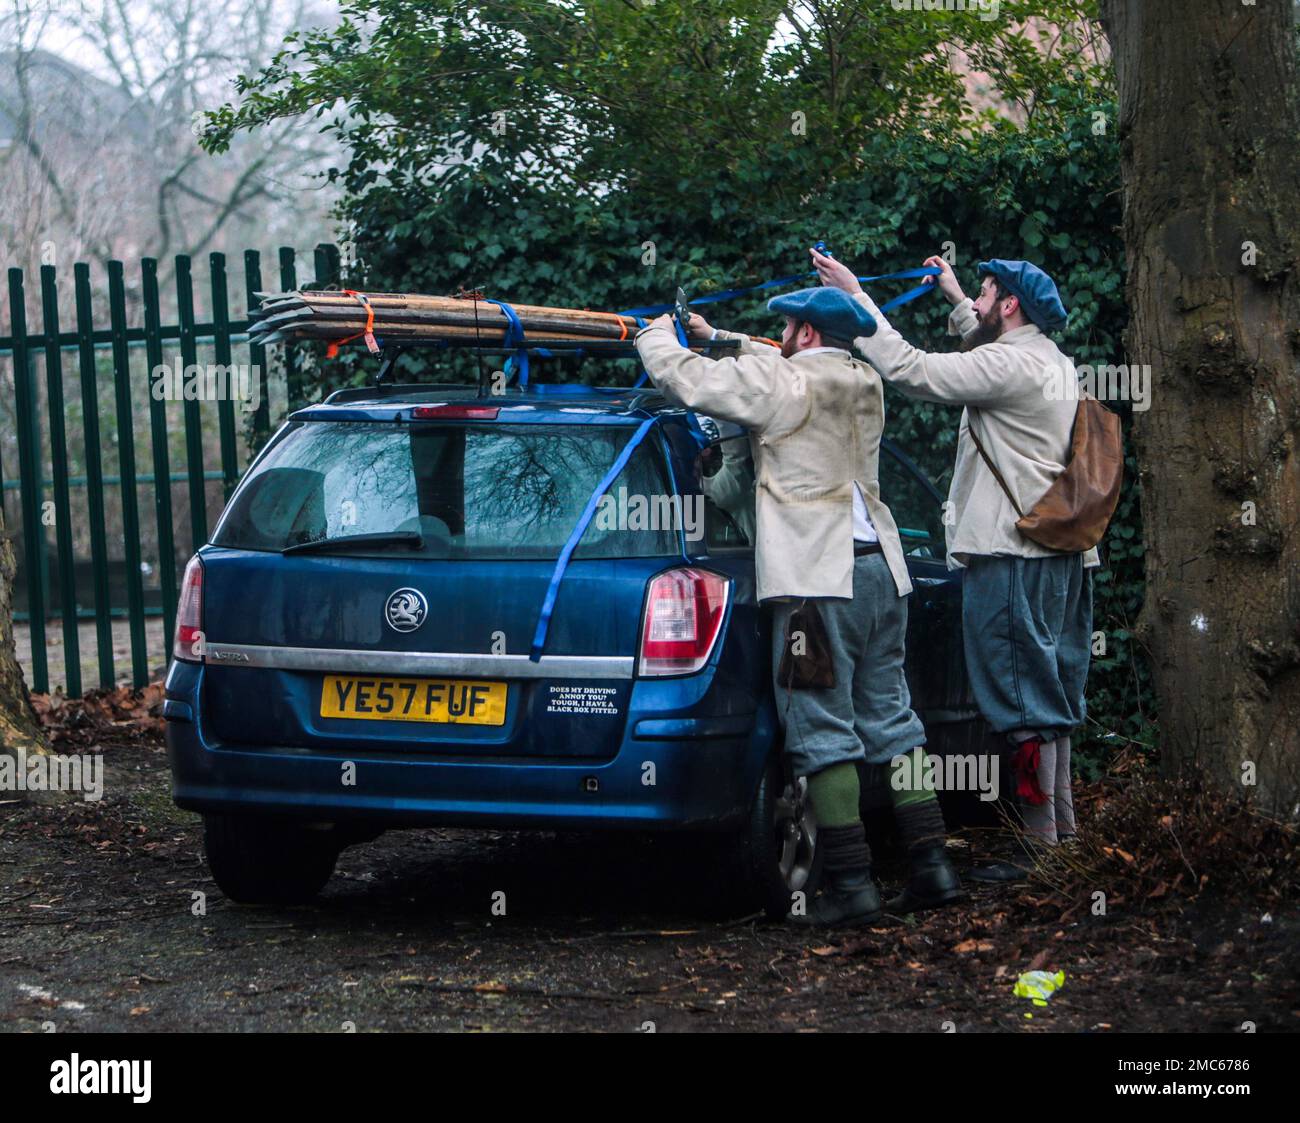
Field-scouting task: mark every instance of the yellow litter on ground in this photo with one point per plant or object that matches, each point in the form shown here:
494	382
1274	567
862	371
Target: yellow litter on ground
1039	986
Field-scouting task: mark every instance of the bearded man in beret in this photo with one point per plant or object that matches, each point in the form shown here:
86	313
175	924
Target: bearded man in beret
826	548
1026	608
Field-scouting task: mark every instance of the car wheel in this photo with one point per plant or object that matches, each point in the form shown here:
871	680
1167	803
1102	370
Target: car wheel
264	862
774	855
794	835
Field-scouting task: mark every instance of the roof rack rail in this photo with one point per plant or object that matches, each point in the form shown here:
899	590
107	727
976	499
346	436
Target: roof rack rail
391	352
391	390
638	396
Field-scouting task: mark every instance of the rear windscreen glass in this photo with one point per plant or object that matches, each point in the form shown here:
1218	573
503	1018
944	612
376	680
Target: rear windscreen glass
468	490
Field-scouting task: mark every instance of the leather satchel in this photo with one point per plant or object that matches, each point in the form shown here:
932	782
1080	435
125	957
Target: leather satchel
1073	514
812	668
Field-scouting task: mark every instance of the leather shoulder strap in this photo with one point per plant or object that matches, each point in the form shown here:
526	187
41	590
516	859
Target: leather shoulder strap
970	410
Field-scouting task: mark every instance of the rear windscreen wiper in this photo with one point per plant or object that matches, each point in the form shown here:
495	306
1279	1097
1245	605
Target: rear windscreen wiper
409	538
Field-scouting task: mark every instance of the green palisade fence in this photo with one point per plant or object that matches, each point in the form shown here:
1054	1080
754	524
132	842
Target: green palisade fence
89	550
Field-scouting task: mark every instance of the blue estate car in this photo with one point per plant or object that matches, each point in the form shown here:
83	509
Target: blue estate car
355	648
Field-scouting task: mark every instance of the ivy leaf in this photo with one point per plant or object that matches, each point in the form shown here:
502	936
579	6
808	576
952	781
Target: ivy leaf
1030	234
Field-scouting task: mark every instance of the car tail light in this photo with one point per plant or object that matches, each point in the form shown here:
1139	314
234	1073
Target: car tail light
455	413
188	644
683	618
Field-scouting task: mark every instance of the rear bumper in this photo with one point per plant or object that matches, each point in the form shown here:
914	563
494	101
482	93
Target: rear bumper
675	773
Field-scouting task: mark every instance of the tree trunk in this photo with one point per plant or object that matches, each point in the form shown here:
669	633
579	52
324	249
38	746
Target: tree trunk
19	728
1208	127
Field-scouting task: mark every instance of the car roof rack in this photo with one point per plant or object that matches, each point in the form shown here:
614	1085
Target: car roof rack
400	389
381	386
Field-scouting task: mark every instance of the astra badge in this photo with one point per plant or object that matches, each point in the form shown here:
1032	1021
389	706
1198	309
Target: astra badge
406	610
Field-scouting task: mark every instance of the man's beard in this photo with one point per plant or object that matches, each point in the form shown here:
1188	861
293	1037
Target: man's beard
788	349
987	331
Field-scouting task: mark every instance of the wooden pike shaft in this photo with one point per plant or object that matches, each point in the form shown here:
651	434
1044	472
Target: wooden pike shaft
341	319
406	307
337	330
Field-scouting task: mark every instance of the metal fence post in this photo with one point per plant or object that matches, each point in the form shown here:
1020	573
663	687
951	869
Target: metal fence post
29	472
292	375
62	494
221	350
94	473
257	352
126	458
162	473
198	491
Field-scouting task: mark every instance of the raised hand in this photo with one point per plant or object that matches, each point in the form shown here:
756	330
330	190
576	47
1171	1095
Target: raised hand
834	274
947	280
699	327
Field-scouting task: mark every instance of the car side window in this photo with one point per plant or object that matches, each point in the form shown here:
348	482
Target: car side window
917	513
726	478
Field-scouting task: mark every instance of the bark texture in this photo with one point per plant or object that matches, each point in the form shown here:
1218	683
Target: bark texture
18	725
1209	128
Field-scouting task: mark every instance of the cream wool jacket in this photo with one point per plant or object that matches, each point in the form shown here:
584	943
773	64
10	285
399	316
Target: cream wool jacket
1022	419
815	422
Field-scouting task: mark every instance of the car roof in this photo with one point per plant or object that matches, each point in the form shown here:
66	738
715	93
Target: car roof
565	402
562	402
549	403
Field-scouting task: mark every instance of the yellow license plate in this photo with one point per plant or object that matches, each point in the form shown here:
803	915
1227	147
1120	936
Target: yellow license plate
455	701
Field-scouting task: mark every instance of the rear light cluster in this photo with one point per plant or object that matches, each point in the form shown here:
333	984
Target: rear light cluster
188	644
683	619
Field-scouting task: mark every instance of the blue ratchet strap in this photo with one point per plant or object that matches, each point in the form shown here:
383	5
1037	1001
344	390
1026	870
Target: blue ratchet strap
693	424
911	294
780	282
562	562
701	438
714	297
514	337
906	275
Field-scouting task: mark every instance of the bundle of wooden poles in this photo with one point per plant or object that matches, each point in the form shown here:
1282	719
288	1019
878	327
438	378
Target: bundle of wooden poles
406	318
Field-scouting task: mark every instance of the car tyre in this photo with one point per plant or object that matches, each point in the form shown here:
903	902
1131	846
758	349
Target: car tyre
261	861
774	855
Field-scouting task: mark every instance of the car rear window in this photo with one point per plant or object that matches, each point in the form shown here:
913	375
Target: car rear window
469	490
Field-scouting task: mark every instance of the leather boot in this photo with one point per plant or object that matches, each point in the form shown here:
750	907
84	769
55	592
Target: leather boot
847	898
932	882
1017	864
931	879
849	895
1002	872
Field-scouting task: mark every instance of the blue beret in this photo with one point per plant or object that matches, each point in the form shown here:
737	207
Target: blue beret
830	311
1034	288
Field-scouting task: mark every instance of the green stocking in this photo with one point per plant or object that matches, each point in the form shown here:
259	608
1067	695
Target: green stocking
834	792
914	766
